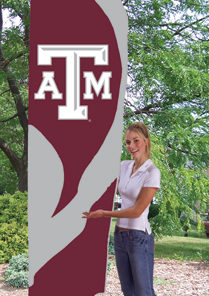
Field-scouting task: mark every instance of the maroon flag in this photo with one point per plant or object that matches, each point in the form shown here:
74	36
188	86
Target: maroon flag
77	81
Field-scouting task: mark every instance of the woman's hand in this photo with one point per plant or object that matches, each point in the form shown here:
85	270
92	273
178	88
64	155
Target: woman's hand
95	214
143	200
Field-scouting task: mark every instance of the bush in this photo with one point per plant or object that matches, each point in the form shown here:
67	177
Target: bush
16	274
13	208
13	225
13	240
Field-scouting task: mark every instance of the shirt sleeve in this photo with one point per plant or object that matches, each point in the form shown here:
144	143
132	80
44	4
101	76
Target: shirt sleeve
153	178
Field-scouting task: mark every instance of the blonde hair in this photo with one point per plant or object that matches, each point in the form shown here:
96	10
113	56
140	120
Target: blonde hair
142	130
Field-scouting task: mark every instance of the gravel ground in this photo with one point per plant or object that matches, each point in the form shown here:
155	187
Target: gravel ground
171	278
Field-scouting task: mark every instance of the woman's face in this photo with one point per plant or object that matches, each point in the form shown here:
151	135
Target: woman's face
136	145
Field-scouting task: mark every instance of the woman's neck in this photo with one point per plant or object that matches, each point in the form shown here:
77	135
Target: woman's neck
139	162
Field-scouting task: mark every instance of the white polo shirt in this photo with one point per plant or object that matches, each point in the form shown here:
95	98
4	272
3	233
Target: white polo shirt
129	187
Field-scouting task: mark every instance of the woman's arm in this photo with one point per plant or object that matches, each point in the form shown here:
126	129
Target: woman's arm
143	200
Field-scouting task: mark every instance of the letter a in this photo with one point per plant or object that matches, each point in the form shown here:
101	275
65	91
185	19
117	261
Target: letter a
48	84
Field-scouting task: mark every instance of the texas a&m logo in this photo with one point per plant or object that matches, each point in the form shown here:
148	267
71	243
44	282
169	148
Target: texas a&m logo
72	54
78	73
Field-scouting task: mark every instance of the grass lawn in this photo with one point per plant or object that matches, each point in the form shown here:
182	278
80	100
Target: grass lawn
195	247
182	248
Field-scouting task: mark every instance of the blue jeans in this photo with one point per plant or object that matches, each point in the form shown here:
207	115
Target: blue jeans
134	253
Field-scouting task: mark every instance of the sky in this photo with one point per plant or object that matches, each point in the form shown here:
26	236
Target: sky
7	22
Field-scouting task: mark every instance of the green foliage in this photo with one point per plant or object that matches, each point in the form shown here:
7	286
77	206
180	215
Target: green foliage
8	177
13	208
16	274
14	63
169	92
111	250
153	210
13	240
13	225
168	68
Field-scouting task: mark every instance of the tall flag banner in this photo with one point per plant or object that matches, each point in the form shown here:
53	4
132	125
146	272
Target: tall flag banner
78	68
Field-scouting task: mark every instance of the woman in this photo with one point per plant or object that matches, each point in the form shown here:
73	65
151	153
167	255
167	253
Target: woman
133	240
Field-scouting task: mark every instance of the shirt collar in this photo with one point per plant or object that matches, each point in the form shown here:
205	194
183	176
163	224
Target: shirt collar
143	167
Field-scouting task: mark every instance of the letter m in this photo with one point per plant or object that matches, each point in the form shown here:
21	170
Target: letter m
103	82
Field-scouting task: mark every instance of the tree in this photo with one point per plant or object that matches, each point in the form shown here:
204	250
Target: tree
14	48
169	92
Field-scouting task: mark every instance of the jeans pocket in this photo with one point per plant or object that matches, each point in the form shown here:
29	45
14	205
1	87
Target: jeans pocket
117	237
137	237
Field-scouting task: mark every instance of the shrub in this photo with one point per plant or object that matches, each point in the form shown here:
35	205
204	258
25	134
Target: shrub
16	274
13	208
18	279
13	225
13	240
18	263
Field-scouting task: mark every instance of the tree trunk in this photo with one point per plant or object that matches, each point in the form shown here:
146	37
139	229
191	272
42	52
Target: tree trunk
22	177
19	164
